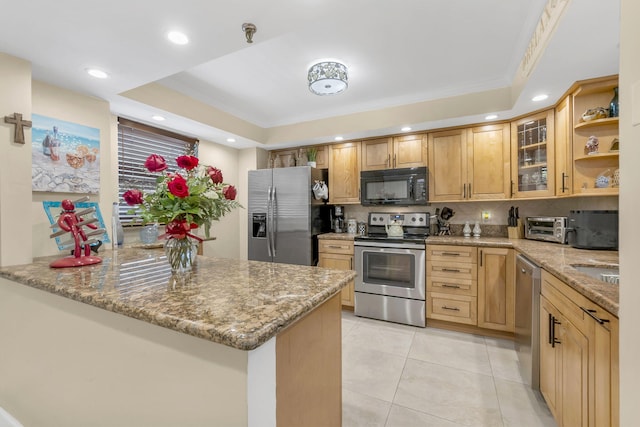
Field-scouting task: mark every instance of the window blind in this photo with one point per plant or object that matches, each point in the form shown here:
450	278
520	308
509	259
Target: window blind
136	141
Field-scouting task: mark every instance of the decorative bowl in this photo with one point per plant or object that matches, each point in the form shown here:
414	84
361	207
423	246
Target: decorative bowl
595	113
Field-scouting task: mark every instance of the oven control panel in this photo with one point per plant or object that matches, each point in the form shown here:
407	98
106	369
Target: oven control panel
416	219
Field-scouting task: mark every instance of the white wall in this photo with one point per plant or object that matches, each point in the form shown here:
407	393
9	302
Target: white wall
15	163
629	208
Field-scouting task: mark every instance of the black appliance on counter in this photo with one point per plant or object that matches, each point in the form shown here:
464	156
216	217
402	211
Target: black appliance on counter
593	229
401	187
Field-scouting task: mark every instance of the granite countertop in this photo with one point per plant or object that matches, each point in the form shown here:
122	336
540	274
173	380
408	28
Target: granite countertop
556	259
241	304
337	236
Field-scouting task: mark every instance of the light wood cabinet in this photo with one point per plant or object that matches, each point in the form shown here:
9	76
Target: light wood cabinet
452	283
470	164
389	153
532	156
322	156
563	148
578	357
586	168
496	289
344	173
338	254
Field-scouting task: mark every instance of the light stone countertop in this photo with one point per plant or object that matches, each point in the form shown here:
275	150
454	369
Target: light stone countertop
337	236
241	304
557	259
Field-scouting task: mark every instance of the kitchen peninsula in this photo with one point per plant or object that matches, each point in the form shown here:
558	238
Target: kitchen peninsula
119	343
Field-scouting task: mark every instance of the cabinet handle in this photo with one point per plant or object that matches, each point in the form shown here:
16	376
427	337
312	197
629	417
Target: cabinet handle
464	191
563	177
394	160
451	270
389	160
552	329
481	258
350	263
445	285
511	188
444	307
450	254
469	190
591	314
336	247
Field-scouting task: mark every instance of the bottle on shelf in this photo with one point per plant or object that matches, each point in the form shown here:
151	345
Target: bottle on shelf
613	105
117	231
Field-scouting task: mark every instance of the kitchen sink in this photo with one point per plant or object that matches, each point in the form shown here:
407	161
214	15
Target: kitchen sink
606	273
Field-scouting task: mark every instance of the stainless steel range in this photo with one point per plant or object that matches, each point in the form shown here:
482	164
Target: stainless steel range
390	262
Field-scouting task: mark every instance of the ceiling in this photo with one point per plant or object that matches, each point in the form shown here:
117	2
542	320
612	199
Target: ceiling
401	53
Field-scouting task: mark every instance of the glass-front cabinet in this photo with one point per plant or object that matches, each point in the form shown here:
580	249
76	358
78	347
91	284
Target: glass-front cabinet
533	173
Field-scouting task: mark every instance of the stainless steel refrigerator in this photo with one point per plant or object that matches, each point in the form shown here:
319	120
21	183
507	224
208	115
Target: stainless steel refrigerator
284	217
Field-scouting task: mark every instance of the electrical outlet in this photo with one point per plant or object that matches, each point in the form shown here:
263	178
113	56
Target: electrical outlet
486	216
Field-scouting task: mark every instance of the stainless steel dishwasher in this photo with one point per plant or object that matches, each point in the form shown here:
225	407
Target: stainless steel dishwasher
527	320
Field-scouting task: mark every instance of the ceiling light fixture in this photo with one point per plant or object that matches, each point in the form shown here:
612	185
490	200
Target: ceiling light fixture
231	140
405	129
158	118
327	78
491	117
177	37
98	74
338	138
539	98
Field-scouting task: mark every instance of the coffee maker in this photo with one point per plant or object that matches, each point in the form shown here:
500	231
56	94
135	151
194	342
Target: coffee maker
338	219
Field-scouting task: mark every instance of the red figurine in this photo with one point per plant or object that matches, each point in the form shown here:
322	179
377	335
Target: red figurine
70	222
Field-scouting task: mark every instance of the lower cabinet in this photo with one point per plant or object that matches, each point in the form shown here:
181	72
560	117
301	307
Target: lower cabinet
338	254
471	285
496	289
578	357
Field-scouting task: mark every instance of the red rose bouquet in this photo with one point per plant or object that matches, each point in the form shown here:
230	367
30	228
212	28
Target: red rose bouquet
190	198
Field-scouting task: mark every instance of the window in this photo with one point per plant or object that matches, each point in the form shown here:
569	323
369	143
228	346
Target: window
136	142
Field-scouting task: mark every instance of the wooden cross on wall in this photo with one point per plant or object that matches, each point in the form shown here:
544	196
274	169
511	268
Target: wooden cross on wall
16	119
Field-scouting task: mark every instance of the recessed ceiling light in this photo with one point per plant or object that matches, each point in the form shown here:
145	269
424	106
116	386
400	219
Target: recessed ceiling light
405	129
98	74
177	37
338	138
231	140
158	118
540	97
491	117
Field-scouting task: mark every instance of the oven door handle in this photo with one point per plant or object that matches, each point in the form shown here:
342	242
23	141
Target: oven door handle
378	245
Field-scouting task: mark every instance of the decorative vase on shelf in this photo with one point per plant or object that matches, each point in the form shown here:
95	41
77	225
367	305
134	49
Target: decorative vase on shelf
477	230
312	164
467	229
614	108
181	254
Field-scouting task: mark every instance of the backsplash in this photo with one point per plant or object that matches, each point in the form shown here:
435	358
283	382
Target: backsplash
497	224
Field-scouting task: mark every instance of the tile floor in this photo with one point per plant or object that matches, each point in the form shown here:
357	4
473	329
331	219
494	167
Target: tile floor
402	376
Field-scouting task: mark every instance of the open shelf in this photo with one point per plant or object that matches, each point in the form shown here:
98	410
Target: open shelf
611	154
607	121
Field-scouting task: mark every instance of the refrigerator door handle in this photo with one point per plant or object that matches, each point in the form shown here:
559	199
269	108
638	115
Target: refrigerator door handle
269	222
274	221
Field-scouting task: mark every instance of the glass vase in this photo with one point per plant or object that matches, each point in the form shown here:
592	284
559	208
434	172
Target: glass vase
181	254
614	108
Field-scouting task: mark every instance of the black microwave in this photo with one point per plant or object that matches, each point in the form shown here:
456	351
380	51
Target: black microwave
403	187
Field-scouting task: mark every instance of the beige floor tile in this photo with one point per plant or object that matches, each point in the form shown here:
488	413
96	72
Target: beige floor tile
370	372
451	349
460	396
404	417
521	407
359	410
504	360
387	340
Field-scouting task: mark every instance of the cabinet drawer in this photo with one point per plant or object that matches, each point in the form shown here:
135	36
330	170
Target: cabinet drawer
453	308
462	254
452	270
452	285
335	246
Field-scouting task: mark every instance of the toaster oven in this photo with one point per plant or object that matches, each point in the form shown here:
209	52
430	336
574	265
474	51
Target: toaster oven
547	228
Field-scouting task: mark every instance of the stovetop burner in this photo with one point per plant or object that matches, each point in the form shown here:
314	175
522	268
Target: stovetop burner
415	227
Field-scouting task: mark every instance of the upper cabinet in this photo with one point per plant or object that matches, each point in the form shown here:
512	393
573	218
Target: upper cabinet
469	164
532	154
344	173
563	150
489	169
390	153
595	138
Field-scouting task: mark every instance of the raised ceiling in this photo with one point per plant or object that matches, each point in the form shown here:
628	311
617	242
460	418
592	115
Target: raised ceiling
399	54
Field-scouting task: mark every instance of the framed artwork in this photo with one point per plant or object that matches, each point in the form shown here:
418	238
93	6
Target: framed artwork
65	156
53	210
